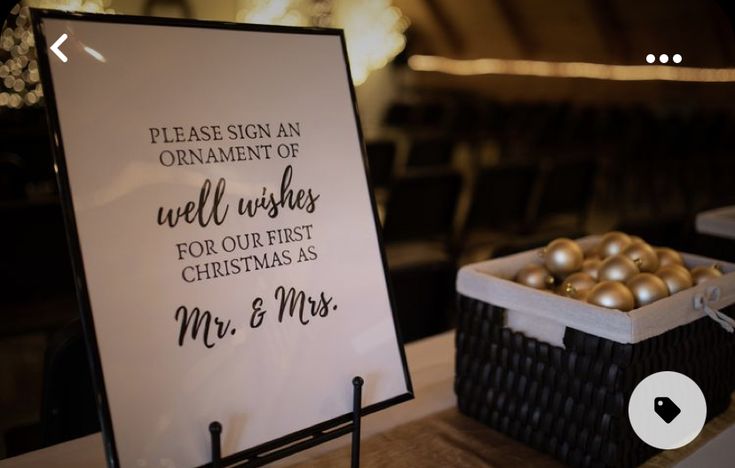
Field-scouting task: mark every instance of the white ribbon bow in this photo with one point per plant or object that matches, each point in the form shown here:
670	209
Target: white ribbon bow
703	301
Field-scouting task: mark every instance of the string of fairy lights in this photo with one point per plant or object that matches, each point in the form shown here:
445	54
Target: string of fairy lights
19	80
374	30
374	35
18	66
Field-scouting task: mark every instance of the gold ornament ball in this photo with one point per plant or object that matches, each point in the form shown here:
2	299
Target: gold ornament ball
591	266
612	295
563	256
592	251
635	239
667	256
676	277
647	288
572	293
617	268
613	243
577	285
643	255
535	276
702	274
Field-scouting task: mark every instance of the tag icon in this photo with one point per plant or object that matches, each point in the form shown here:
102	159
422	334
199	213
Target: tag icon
666	409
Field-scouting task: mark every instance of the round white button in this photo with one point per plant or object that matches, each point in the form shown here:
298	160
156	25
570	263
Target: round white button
667	410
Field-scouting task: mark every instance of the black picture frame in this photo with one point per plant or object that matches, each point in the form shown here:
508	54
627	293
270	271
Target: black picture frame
65	189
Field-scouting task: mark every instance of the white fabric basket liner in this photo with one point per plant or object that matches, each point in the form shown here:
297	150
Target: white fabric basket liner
545	315
719	222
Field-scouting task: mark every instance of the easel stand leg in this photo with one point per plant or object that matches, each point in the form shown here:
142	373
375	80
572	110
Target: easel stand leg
275	452
215	431
356	417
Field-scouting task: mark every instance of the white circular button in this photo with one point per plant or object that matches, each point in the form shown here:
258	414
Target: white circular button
667	410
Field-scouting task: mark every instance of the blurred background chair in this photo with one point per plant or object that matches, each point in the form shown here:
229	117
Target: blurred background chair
68	409
421	206
13	177
430	152
565	189
424	297
501	197
381	156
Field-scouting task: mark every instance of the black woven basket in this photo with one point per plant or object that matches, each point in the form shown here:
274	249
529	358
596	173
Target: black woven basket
571	402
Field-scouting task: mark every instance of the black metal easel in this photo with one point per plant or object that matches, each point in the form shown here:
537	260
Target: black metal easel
270	453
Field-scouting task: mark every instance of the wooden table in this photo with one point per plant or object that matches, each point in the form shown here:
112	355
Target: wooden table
449	438
425	432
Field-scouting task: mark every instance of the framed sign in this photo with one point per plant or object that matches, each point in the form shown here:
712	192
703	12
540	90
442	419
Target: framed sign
224	236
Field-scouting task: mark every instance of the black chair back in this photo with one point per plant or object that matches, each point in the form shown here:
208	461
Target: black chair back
13	177
423	295
68	408
566	188
422	207
381	157
501	197
430	152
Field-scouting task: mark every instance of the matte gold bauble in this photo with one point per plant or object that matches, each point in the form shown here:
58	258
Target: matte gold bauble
612	295
635	239
591	266
647	288
535	276
577	285
667	256
592	251
612	243
563	256
572	293
676	277
643	255
617	268
702	274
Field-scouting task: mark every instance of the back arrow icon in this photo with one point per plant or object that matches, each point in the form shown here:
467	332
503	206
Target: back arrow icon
55	48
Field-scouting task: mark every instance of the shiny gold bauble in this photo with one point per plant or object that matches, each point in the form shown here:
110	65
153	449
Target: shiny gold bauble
667	256
643	255
563	256
676	277
612	243
617	268
592	251
635	239
702	274
591	266
647	288
535	276
577	285
574	294
612	295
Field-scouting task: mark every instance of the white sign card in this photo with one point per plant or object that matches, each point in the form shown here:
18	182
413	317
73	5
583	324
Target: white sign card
224	232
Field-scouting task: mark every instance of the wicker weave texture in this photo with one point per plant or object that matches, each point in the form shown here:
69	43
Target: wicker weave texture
572	402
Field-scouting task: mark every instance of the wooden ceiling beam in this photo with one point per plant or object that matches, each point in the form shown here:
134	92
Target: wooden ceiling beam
612	32
451	34
722	16
521	34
